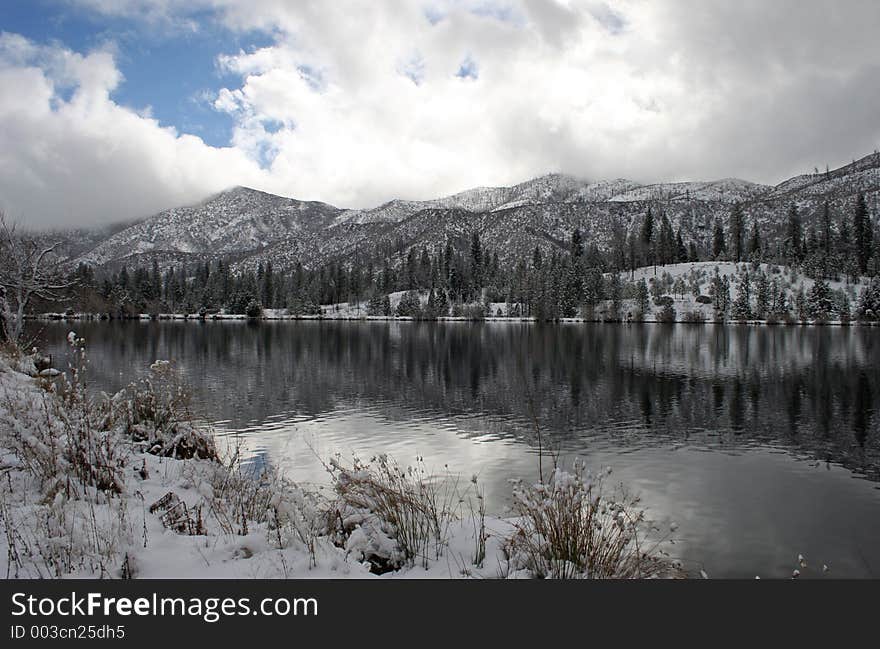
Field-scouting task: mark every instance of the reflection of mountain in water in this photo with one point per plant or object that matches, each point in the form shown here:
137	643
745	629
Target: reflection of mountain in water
811	389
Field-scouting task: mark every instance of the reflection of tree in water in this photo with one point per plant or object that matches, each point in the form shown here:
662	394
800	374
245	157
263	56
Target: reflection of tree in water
812	388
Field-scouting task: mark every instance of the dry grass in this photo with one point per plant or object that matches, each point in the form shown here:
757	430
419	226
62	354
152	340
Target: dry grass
391	516
569	528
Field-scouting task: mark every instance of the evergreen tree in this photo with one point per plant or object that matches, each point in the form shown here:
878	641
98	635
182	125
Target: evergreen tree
646	237
615	294
869	301
410	305
820	302
681	252
643	302
476	263
431	307
827	243
376	305
718	243
862	234
794	235
742	306
737	232
719	291
441	304
155	281
800	304
632	251
755	242
573	290
594	287
577	245
665	242
267	291
763	298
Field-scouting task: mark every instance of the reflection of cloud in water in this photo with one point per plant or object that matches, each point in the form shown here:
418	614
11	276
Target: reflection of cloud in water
740	512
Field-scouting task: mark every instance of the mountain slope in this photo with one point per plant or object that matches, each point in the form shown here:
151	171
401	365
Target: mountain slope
234	222
252	227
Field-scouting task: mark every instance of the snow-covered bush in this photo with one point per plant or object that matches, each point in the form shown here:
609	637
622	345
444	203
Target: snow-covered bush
155	413
667	313
568	528
390	516
253	310
869	301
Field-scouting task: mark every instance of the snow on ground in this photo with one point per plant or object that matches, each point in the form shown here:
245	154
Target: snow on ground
686	302
683	303
55	524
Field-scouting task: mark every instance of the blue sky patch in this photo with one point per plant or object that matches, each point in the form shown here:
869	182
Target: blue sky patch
171	71
468	69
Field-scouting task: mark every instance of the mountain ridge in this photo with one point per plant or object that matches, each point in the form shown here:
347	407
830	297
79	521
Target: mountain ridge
251	226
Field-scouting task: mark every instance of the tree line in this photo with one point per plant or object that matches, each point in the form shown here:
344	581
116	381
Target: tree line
550	282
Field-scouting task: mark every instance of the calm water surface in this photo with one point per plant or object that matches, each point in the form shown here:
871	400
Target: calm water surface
760	443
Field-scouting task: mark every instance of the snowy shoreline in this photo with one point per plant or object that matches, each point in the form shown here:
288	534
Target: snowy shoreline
127	486
223	317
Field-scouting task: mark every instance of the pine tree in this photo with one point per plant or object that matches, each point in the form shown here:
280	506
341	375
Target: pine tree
737	232
646	237
642	297
409	305
862	234
431	306
718	244
681	252
800	304
794	235
594	287
742	306
632	251
155	281
476	263
376	305
577	245
719	291
755	242
441	304
267	290
827	243
762	298
666	242
573	290
820	302
778	304
615	294
869	301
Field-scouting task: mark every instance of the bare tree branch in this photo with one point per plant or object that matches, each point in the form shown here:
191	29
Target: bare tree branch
28	270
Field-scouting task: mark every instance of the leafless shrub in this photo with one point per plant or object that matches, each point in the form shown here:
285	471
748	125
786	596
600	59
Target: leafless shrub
241	499
569	528
156	414
391	516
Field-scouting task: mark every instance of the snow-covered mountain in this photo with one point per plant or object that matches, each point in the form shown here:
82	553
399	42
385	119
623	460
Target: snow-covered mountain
250	227
237	222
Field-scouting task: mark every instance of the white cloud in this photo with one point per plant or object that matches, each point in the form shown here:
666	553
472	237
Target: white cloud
359	102
85	159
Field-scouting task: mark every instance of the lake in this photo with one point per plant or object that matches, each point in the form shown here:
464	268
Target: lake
760	443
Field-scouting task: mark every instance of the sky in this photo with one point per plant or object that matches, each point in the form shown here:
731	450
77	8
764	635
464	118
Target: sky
112	110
